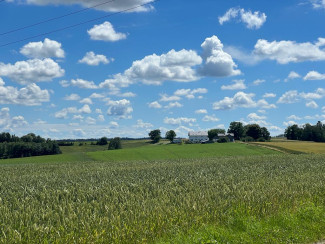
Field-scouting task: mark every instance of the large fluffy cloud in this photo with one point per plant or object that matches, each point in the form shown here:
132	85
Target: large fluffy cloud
113	6
32	70
252	20
217	62
174	65
241	99
283	52
46	49
120	108
293	96
105	32
30	95
290	51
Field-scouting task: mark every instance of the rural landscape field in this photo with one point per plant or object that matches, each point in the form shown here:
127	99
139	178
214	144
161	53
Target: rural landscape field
199	193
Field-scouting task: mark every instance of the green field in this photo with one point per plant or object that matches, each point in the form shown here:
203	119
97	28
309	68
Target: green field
295	146
211	193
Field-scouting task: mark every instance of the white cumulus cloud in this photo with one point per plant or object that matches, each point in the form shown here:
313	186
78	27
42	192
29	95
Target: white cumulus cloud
94	59
120	108
253	20
217	62
46	49
237	85
241	99
113	6
33	70
314	75
30	95
105	32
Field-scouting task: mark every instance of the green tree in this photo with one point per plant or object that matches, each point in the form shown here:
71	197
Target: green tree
155	135
253	130
170	135
115	143
214	132
102	141
293	132
265	133
237	128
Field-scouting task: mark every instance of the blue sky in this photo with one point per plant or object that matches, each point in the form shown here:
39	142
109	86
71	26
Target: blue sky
181	65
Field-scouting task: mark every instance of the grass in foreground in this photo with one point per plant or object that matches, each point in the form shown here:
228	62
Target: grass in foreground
249	199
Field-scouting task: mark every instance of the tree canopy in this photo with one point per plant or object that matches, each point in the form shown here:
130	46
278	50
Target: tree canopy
155	135
170	135
214	132
115	143
307	132
237	128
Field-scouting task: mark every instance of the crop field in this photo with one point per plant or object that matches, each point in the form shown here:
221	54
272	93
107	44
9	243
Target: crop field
169	151
296	146
262	196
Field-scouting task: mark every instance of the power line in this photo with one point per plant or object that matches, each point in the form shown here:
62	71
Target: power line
78	24
55	18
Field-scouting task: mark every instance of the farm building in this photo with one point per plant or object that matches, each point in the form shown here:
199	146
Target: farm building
202	136
198	136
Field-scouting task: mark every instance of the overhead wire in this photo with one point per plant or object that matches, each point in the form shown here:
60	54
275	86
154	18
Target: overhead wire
78	24
55	18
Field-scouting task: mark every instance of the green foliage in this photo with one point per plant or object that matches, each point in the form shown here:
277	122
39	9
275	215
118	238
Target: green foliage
223	140
306	133
170	135
211	200
102	141
214	133
261	139
248	139
26	146
253	130
115	143
237	128
155	135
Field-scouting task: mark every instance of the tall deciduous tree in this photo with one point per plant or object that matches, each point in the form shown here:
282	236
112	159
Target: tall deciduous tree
170	135
237	128
155	135
253	130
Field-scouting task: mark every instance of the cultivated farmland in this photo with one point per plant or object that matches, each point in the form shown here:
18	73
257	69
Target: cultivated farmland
220	198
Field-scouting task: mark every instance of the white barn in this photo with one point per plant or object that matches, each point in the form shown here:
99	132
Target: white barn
198	136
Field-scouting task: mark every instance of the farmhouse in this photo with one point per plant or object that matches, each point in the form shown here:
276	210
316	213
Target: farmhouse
198	136
201	136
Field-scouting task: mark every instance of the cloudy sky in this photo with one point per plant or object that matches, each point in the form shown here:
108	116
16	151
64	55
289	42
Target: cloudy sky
129	66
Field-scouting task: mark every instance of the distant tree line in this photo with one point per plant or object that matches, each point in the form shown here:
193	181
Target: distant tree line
12	146
250	132
307	132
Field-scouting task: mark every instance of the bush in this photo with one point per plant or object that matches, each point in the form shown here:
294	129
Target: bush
248	139
102	141
261	139
115	144
223	140
188	142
